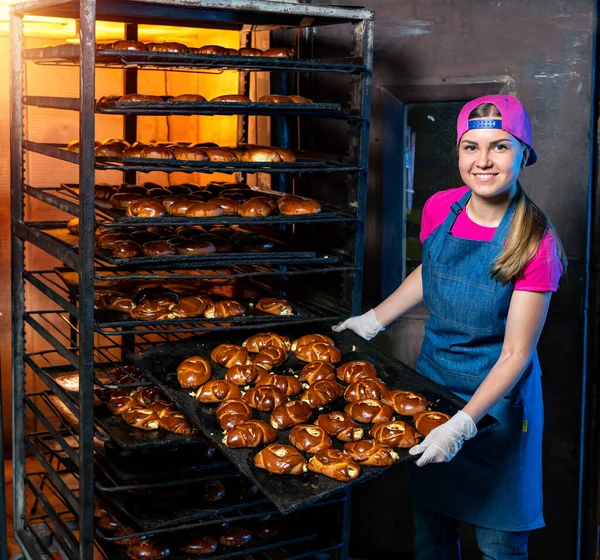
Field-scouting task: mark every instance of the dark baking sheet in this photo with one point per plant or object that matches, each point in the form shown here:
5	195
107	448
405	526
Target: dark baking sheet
328	213
288	493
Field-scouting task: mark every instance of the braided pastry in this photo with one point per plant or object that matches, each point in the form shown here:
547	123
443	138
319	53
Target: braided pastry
144	396
193	372
318	352
394	434
177	423
428	420
107	522
264	398
191	306
309	439
322	393
350	372
217	390
280	459
371	453
308	338
288	384
315	371
227	308
148	549
249	434
274	306
229	355
258	341
334	464
119	403
289	414
367	388
150	311
368	411
270	357
406	403
245	374
141	418
233	412
340	426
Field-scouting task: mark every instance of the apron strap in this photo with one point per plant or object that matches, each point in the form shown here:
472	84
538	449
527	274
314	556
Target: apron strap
446	228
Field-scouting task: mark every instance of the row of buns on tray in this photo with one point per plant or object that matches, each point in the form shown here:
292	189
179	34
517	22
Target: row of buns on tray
197	98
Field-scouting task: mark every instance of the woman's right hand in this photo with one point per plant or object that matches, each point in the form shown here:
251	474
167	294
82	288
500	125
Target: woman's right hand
366	325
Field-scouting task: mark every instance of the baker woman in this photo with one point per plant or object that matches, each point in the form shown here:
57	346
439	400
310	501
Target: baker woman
491	261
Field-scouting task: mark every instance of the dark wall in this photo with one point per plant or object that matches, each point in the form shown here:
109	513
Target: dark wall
546	47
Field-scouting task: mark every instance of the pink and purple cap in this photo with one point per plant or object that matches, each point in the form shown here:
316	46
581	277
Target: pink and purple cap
514	120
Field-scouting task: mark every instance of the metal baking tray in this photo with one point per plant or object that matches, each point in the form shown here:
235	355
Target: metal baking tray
288	493
329	213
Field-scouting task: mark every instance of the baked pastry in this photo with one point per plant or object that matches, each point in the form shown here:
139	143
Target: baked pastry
158	249
309	438
406	403
73	226
308	338
228	205
126	249
109	150
245	374
350	372
250	52
134	151
367	388
124	199
144	396
232	412
274	306
212	490
220	155
295	205
322	392
187	98
200	545
227	308
300	99
255	209
233	52
118	403
194	371
319	351
139	97
103	191
234	537
145	208
428	420
123	532
129	46
179	206
286	155
148	549
190	306
157	152
368	411
288	384
252	433
231	97
264	398
108	240
340	426
394	434
280	459
263	154
274	99
259	341
150	311
190	154
279	52
168	47
141	418
229	355
175	422
290	414
217	390
211	49
315	371
107	522
270	357
204	210
334	464
371	453
194	247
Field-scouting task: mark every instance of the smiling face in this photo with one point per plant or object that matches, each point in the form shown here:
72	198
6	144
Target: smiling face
489	161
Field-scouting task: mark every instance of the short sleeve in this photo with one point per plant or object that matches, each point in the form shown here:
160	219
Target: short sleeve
427	223
543	272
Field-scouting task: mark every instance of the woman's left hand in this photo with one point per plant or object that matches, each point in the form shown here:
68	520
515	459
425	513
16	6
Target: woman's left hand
445	441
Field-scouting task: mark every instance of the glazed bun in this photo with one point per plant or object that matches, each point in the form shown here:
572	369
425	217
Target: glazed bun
290	414
288	384
262	155
315	371
232	97
168	47
247	374
175	422
145	208
157	152
368	411
371	453
109	150
270	357
319	351
218	390
355	370
252	433
204	210
309	438
279	52
190	306
235	537
126	249
102	191
73	226
179	206
139	97
193	372
221	309
134	151
190	154
188	97
229	355
340	426
395	434
406	402
254	209
250	52
264	398
300	99
334	464
280	459
367	388
230	206
275	99
294	205
308	338
274	306
148	549
428	420
232	412
158	249
259	341
129	46
200	545
220	155
286	155
211	49
322	392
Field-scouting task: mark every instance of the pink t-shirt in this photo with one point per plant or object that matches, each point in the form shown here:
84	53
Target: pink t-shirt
541	274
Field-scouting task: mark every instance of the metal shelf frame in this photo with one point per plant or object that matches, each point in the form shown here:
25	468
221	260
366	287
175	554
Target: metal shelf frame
73	333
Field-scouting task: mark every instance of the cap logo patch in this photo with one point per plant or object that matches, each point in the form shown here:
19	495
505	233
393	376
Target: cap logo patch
475	124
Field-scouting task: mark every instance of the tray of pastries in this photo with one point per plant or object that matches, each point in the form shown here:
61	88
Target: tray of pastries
301	414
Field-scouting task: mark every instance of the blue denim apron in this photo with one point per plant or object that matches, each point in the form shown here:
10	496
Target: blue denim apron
495	481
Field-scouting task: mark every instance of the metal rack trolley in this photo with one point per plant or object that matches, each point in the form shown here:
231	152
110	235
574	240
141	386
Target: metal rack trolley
72	526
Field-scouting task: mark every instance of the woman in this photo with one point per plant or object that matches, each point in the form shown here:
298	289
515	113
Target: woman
491	261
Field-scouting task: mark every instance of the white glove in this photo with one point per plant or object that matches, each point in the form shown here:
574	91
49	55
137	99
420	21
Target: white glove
365	325
445	441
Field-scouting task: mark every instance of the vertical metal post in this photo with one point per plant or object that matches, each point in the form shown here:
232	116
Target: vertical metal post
359	147
18	264
87	49
131	86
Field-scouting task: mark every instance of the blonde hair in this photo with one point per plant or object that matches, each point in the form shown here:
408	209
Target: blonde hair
528	227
